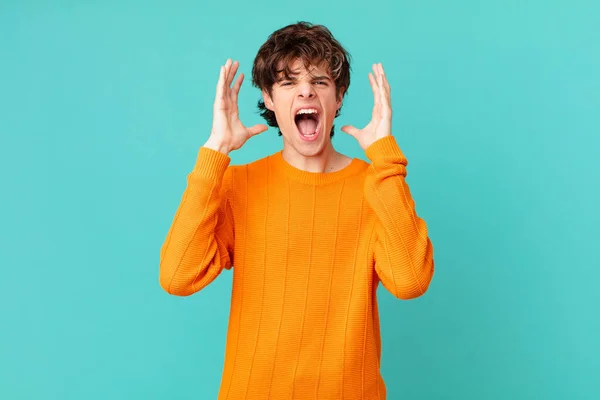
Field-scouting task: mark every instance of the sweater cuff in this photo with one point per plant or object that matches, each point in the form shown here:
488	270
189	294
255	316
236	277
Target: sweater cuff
211	163
384	147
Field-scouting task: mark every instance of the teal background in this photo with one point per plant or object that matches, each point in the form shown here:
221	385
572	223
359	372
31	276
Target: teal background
103	106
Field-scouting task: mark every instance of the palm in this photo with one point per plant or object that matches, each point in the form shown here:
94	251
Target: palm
381	118
227	126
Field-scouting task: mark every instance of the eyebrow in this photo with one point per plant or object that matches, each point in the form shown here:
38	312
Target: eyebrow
314	78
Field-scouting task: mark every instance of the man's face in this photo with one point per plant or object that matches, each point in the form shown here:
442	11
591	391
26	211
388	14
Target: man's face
305	107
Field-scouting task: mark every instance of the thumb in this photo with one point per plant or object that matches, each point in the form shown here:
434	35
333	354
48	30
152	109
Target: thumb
256	129
350	130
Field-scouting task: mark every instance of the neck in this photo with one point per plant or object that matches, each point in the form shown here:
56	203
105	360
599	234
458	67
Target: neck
328	160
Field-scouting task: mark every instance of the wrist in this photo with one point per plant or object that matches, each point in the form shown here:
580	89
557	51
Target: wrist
384	147
217	145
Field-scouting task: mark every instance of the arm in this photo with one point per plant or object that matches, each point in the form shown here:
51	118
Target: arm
402	249
199	243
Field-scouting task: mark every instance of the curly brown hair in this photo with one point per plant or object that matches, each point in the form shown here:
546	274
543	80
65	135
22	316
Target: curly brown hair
313	44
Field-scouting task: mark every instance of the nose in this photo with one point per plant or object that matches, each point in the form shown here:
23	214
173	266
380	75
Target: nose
306	90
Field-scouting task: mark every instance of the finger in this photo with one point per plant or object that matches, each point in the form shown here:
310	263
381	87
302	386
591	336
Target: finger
232	71
256	129
219	96
238	84
379	76
374	87
382	89
226	75
376	72
227	66
224	84
386	100
386	84
350	130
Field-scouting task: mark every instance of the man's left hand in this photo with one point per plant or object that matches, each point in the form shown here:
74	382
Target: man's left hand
381	120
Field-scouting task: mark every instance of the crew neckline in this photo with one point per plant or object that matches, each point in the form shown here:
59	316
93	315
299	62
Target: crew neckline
316	178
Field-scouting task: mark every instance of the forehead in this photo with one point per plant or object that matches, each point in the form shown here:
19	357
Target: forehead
298	67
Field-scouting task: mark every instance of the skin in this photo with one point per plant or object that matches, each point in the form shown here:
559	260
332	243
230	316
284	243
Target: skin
307	88
229	134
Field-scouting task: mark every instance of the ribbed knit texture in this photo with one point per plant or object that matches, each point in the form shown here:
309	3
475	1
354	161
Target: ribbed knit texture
308	251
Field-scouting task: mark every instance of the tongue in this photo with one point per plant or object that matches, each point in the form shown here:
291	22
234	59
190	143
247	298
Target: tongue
307	126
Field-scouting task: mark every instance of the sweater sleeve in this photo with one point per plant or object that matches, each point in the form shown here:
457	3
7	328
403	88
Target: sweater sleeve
402	250
199	243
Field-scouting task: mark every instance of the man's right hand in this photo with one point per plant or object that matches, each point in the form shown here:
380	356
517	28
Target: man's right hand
228	133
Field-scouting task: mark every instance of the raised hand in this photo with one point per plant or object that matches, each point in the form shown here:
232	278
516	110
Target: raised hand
228	133
381	120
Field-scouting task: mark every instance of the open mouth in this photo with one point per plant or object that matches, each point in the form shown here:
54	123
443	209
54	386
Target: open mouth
307	122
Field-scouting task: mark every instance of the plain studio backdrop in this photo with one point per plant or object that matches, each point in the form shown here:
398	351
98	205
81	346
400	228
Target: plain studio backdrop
103	106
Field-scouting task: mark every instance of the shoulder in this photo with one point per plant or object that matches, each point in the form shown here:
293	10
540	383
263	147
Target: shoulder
358	164
237	175
239	170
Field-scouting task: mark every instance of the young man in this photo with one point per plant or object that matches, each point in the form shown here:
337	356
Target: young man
310	233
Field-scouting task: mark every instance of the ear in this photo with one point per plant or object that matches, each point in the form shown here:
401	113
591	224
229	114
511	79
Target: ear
267	100
340	96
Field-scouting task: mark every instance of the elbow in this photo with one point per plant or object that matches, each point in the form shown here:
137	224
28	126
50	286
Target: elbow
409	293
418	287
166	283
185	284
172	280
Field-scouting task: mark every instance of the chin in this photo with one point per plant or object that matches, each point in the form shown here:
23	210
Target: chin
311	146
313	151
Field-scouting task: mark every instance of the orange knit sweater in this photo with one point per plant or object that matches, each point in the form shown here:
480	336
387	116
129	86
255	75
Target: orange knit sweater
308	251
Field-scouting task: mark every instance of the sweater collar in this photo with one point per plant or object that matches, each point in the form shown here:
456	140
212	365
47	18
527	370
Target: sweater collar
316	178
